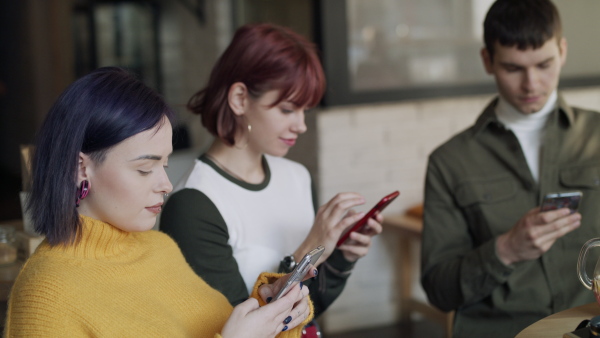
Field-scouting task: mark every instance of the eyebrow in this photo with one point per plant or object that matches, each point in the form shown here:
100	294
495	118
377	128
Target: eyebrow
520	66
147	157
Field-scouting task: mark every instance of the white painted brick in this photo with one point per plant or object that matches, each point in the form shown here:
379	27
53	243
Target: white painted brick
387	114
585	98
328	120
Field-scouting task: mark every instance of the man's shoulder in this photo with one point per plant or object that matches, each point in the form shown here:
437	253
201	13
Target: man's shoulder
585	113
457	143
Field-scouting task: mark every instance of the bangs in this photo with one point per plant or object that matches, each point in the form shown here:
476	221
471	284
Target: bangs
303	85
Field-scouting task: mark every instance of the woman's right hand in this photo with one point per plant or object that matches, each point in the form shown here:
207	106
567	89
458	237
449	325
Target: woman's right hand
331	220
250	320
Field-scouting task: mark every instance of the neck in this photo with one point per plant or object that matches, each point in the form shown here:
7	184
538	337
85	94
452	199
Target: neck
515	120
244	164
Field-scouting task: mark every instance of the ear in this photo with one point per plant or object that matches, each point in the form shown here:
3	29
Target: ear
238	98
562	46
84	163
487	60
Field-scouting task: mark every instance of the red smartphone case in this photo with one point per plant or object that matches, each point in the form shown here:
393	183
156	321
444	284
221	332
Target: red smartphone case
363	221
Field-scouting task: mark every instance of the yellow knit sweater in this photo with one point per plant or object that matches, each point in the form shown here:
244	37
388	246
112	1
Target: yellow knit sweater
114	284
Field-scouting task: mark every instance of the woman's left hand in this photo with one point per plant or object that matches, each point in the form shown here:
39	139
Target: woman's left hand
359	242
300	310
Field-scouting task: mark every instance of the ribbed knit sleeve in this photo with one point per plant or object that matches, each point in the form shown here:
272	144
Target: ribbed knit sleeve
270	278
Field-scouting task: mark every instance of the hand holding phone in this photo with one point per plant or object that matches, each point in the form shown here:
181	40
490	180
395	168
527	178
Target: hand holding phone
358	226
301	270
557	201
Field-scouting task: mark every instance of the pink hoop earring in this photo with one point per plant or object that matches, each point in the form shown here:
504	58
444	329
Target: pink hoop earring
82	192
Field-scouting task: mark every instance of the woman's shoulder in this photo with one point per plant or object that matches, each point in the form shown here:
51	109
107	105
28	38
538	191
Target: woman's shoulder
189	201
47	272
276	163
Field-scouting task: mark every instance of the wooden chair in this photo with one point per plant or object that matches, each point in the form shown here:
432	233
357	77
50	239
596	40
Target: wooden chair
409	227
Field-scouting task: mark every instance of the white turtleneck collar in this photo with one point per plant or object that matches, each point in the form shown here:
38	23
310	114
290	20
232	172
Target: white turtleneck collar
528	128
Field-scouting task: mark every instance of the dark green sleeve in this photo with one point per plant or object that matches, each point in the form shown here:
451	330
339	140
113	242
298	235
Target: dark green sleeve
456	270
329	284
313	191
194	222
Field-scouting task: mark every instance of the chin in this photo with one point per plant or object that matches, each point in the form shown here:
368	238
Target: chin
143	226
278	153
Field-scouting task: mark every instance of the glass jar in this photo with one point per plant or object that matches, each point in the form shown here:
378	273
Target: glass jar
8	247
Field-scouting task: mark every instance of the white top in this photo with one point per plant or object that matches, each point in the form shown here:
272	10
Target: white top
528	128
265	222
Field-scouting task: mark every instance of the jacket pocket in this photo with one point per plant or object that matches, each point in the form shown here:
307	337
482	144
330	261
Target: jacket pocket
583	177
486	191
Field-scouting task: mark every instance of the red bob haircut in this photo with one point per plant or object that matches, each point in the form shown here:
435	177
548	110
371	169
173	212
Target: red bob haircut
263	57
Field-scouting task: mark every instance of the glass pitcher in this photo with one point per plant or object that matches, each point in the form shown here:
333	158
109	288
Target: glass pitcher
591	284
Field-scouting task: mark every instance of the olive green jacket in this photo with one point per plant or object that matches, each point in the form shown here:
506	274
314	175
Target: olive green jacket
478	186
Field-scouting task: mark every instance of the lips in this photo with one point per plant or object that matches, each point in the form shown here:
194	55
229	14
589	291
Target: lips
155	208
530	99
289	141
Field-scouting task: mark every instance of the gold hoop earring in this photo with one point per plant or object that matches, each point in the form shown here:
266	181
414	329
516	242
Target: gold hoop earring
248	135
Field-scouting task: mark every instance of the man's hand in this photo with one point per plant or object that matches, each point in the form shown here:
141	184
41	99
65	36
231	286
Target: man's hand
534	234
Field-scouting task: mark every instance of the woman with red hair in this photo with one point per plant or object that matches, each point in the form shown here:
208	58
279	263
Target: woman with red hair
243	208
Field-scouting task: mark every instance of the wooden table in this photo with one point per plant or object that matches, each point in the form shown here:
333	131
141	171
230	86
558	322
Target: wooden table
561	322
409	231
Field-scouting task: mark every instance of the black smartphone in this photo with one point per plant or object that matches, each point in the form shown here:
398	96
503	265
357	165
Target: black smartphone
301	270
384	202
560	200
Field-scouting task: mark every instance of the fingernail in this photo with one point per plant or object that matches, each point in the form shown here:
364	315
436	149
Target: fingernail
316	272
269	299
284	328
287	320
301	285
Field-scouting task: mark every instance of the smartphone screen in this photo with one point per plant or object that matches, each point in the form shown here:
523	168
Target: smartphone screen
301	270
363	221
556	201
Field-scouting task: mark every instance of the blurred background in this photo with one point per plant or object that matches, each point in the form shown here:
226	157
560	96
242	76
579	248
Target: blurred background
403	77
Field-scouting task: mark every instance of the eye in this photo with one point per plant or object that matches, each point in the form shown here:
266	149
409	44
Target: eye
144	173
544	65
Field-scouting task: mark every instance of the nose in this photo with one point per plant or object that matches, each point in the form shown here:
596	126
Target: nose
164	184
299	126
530	79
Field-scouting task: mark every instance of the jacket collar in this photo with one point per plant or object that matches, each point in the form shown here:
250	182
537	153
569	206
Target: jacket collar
488	117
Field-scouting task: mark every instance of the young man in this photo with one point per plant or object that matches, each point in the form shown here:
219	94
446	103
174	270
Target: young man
488	252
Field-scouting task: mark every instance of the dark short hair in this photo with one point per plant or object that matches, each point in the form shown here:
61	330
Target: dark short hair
263	57
521	23
93	114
